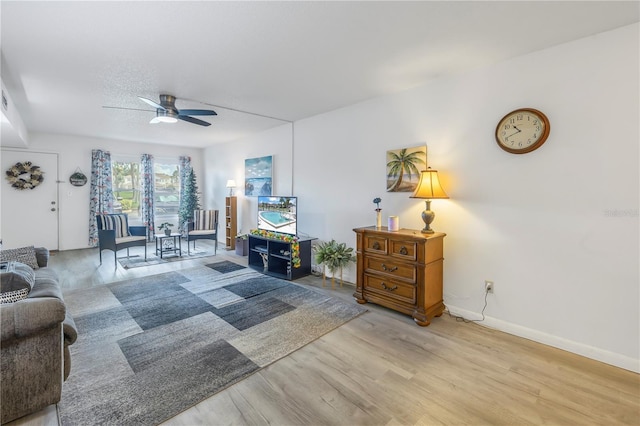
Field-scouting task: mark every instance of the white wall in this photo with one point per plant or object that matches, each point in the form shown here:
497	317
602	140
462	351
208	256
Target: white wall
226	161
75	152
556	229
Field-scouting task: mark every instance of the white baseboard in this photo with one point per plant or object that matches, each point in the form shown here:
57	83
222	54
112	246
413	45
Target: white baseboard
591	352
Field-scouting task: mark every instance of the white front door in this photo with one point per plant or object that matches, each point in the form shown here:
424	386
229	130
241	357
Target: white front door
29	217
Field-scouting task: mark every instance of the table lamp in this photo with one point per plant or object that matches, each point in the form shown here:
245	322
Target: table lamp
429	188
231	184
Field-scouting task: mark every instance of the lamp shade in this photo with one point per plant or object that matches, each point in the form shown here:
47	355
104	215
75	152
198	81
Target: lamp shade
429	186
231	183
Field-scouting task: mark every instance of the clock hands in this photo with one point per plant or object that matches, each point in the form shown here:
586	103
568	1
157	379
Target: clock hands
515	133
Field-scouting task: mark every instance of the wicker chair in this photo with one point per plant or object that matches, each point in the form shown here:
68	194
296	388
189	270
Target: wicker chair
114	233
203	227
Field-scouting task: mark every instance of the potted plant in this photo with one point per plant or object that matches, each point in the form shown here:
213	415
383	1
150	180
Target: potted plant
335	256
167	228
323	252
242	245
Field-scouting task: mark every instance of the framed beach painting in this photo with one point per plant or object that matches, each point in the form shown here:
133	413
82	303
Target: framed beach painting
404	167
258	176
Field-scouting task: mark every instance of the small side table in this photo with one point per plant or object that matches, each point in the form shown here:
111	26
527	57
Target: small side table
176	246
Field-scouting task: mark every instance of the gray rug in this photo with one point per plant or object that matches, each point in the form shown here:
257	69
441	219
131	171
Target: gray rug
139	261
225	266
152	347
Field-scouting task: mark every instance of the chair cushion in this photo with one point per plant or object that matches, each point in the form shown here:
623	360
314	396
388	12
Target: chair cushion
26	255
203	232
204	219
115	222
129	239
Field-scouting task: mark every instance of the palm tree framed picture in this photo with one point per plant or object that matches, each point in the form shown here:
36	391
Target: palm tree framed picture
404	167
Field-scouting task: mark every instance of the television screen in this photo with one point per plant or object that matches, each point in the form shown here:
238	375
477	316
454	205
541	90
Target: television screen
278	214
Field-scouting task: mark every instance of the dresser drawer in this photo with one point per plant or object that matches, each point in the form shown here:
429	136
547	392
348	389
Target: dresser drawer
391	289
406	250
375	244
387	266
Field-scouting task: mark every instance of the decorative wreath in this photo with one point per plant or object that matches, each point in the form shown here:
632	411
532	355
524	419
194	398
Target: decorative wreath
16	175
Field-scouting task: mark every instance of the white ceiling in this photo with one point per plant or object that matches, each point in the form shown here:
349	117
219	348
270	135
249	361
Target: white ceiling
63	61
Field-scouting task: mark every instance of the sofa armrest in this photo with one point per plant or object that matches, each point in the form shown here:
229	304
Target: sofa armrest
42	256
69	330
30	316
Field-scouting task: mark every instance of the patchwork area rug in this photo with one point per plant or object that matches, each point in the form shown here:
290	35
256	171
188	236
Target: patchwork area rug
152	259
151	347
225	266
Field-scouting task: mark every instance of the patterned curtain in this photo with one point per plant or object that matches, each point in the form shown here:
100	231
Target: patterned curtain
185	166
148	188
101	191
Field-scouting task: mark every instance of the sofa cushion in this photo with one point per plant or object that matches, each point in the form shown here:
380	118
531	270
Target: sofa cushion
16	276
47	284
42	255
26	255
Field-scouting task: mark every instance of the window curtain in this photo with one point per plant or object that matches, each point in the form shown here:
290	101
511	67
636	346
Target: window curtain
147	199
101	191
185	166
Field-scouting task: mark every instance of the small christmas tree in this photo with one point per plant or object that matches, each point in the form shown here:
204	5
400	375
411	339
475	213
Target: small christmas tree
190	200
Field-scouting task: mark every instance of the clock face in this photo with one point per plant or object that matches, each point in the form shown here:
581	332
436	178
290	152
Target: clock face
522	130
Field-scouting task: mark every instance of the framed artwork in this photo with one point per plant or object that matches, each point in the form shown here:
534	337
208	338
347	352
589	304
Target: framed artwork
404	167
258	176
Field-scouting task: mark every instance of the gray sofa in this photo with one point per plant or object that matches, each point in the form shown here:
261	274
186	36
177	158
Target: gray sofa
34	350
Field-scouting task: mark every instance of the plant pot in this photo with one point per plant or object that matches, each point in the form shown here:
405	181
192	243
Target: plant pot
242	247
167	232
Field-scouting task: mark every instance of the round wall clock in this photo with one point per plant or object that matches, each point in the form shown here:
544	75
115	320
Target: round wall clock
522	130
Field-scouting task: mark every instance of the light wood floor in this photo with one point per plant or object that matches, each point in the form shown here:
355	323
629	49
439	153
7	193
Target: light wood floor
382	369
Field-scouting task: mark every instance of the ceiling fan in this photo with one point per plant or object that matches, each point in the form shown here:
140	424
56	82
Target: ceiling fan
166	111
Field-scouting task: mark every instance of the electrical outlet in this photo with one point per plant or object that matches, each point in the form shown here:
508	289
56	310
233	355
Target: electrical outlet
488	286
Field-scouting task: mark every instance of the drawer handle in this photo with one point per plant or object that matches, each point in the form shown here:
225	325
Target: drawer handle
386	268
386	287
404	251
376	246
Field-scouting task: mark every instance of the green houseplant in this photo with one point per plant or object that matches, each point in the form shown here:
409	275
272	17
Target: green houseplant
166	226
335	256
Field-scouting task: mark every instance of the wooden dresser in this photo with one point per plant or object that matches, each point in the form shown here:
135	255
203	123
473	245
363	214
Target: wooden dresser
401	270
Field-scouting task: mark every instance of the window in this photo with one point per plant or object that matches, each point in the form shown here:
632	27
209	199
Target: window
167	192
127	190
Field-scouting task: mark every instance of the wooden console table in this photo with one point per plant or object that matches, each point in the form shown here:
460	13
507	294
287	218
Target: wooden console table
401	270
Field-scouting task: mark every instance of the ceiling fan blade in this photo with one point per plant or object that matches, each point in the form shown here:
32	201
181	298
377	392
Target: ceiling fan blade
193	120
197	112
152	103
128	109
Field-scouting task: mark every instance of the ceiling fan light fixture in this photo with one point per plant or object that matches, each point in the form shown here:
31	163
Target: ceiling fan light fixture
166	116
165	119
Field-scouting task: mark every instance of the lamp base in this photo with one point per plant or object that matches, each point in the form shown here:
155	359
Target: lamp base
427	217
